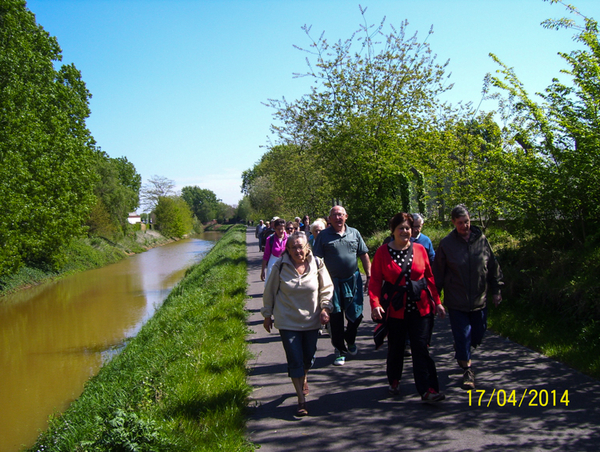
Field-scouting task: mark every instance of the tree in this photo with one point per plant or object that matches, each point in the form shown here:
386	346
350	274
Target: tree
46	151
557	139
156	187
173	216
117	189
202	202
369	102
288	182
243	211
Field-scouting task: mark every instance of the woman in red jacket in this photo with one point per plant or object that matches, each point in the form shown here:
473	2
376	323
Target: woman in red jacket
403	294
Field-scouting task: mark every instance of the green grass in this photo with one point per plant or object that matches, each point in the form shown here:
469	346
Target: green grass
180	384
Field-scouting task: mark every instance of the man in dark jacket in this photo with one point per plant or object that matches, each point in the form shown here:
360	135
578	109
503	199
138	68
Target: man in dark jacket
465	268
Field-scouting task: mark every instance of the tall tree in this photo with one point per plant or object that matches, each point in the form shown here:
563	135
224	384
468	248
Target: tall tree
557	138
288	182
202	201
46	151
118	189
156	187
173	216
372	94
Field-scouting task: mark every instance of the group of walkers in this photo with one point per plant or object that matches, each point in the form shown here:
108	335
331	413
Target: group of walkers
312	280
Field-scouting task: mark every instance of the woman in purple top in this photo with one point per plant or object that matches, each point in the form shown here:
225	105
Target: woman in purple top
274	247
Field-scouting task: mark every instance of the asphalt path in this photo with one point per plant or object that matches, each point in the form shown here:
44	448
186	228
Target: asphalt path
350	408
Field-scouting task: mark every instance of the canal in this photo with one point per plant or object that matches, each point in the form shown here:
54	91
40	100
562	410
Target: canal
55	336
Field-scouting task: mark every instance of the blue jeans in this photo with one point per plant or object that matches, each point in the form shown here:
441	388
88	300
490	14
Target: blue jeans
300	348
468	329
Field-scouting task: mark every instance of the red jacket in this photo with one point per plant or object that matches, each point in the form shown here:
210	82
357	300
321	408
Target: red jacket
384	268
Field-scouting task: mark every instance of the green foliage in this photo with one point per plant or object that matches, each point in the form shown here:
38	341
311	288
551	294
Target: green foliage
173	216
360	130
287	182
203	202
117	191
46	151
180	384
557	141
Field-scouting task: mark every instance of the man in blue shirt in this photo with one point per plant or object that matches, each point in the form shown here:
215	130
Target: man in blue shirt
421	239
340	246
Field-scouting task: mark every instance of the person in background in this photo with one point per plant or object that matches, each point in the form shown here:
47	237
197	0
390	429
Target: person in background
274	248
465	268
297	296
305	225
315	228
408	306
289	227
267	231
258	233
420	238
340	246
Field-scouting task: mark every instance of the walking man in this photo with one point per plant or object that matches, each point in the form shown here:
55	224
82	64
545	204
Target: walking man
420	238
340	246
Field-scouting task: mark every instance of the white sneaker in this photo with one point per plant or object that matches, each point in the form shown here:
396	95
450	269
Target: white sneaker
340	359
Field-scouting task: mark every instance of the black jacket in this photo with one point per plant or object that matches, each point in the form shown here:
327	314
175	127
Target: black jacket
465	270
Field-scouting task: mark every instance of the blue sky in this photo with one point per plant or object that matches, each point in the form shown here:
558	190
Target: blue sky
178	85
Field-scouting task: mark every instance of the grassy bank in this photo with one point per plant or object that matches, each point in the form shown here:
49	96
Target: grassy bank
549	300
180	384
83	254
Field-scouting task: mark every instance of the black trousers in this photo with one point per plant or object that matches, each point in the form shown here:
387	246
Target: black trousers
418	330
339	336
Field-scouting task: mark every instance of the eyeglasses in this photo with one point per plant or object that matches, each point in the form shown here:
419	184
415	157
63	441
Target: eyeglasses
289	229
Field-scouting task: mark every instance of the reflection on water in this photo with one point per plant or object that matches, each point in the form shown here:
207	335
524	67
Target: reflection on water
54	337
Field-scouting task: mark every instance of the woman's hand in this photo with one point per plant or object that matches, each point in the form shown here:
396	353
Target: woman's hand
262	275
324	317
268	324
377	313
497	299
439	310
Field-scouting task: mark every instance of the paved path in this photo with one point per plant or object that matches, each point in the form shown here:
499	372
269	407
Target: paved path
350	409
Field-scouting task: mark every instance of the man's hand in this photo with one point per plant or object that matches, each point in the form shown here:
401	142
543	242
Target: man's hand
324	317
268	324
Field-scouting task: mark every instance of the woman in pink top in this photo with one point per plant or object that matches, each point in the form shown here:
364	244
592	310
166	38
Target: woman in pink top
274	248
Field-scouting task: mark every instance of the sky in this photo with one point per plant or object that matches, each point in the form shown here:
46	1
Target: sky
179	86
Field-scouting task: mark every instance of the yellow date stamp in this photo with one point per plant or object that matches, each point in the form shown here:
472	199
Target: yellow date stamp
535	397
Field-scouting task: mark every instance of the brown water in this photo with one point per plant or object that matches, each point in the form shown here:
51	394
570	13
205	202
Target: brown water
54	337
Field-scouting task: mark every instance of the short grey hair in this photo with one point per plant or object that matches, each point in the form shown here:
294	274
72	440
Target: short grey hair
459	211
418	216
341	207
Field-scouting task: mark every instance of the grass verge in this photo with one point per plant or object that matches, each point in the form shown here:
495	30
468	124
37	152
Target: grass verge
180	384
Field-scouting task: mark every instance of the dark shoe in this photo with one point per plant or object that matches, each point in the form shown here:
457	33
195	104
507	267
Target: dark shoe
302	411
305	388
468	379
432	396
394	388
353	349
